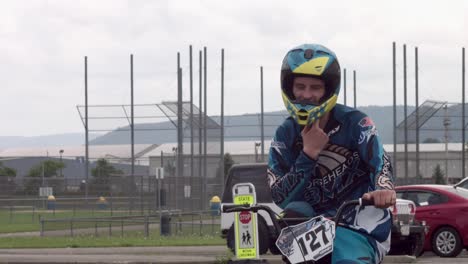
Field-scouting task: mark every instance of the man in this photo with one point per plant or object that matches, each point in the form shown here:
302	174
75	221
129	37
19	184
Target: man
325	154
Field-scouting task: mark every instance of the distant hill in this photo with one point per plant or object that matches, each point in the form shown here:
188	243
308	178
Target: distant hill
247	127
68	139
240	127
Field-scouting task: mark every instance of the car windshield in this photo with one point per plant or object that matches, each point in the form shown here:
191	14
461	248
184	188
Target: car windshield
459	191
463	183
257	175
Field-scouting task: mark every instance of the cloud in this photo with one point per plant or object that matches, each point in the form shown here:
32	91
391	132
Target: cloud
43	44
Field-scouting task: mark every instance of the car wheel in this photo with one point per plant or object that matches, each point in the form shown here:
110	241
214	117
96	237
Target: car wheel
446	242
263	237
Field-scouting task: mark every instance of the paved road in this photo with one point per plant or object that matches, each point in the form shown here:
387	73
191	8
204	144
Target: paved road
210	254
430	257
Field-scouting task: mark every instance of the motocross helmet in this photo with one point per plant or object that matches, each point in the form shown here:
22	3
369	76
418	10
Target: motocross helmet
310	60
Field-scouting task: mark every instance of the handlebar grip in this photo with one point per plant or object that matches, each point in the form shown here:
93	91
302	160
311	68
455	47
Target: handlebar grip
364	202
228	207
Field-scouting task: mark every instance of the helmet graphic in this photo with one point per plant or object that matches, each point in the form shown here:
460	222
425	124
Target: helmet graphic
316	61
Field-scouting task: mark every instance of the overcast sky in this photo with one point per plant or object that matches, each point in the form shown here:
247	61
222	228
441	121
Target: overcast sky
43	44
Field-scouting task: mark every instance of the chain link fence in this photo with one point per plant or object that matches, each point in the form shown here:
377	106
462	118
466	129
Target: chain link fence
166	223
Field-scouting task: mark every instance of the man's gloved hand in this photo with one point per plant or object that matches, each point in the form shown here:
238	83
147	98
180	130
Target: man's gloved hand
382	198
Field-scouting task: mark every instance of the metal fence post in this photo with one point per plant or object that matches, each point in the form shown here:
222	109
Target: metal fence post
111	202
192	223
201	223
74	208
71	227
121	227
42	225
111	205
146	226
179	224
212	224
129	205
11	213
33	212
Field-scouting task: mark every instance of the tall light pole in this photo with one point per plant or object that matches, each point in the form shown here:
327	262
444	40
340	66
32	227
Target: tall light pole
61	163
175	171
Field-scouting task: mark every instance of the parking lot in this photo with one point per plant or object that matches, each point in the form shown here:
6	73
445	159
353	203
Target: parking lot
430	257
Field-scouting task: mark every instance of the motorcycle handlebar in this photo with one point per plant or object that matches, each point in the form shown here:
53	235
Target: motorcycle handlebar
255	208
227	208
346	204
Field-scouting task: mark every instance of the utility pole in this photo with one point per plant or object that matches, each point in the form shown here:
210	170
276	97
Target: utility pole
446	125
61	163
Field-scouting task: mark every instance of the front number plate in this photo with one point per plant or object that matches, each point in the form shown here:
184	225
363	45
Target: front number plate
310	240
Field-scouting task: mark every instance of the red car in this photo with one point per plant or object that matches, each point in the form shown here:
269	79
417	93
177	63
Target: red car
444	208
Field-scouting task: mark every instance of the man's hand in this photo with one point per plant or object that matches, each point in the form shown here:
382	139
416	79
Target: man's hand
314	139
382	198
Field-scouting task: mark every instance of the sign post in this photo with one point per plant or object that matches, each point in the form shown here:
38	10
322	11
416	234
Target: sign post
159	175
245	222
45	192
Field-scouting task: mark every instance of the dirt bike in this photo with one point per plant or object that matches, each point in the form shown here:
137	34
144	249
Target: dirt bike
310	241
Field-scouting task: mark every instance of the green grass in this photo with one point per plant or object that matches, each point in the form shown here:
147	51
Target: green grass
104	241
13	228
27	221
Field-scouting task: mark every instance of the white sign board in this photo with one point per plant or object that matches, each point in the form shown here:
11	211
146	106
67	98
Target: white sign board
45	191
187	190
158	172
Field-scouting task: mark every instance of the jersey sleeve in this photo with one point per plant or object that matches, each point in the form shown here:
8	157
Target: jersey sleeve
372	153
287	174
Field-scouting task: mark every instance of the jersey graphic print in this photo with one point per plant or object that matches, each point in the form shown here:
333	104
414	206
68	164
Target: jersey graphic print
368	130
337	172
384	180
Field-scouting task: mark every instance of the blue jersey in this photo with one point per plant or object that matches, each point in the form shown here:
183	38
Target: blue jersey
352	163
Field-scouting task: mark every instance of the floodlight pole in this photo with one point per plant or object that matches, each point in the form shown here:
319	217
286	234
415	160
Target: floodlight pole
262	131
191	127
344	86
405	108
180	135
394	114
463	112
416	71
354	88
205	165
132	125
86	132
221	165
200	122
